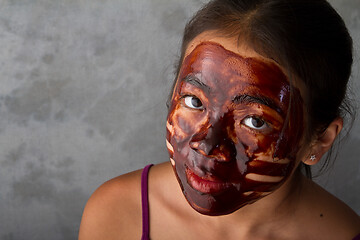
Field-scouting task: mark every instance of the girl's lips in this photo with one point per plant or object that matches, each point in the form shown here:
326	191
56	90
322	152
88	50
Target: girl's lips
206	184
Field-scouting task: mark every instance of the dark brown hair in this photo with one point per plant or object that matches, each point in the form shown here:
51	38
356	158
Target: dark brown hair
306	37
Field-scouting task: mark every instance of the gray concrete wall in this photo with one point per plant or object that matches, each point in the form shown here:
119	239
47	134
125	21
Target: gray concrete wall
82	99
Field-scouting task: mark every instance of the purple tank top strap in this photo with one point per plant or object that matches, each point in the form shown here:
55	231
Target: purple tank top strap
145	203
357	237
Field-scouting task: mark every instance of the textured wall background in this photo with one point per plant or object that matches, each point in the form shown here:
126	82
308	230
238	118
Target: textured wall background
82	99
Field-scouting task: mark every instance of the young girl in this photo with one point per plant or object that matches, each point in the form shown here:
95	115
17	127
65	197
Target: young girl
259	97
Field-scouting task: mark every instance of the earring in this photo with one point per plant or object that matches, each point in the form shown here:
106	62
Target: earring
313	157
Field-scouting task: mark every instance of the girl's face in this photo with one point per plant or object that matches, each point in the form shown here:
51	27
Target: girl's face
230	138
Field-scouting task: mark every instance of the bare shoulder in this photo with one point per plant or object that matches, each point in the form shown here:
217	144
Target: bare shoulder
114	210
330	216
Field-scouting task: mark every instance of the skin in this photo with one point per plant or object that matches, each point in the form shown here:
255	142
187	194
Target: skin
297	209
225	125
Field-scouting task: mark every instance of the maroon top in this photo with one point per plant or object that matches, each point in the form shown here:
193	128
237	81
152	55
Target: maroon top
145	202
145	205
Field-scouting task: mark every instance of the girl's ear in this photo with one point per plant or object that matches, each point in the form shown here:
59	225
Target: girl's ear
324	142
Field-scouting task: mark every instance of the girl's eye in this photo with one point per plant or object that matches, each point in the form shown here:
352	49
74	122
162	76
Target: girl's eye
193	102
255	123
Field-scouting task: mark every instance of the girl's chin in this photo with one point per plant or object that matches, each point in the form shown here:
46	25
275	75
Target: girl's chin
223	203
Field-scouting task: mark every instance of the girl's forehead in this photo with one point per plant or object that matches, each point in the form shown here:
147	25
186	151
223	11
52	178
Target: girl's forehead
244	50
230	44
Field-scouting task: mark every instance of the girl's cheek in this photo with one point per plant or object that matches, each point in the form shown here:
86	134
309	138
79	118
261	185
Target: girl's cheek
255	143
186	123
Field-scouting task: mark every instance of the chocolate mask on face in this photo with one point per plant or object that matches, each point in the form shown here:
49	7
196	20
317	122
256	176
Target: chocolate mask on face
228	135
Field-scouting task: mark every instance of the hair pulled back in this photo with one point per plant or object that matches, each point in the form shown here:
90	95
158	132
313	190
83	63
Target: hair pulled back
306	37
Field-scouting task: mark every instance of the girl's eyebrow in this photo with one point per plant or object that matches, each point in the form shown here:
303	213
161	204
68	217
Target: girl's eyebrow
239	99
196	82
245	98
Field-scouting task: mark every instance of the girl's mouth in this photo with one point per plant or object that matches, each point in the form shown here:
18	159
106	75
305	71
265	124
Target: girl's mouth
206	184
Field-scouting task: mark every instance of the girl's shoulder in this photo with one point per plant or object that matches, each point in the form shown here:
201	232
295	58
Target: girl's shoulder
114	210
329	217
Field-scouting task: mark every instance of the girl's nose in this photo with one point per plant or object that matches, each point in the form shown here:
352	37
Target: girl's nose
213	140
